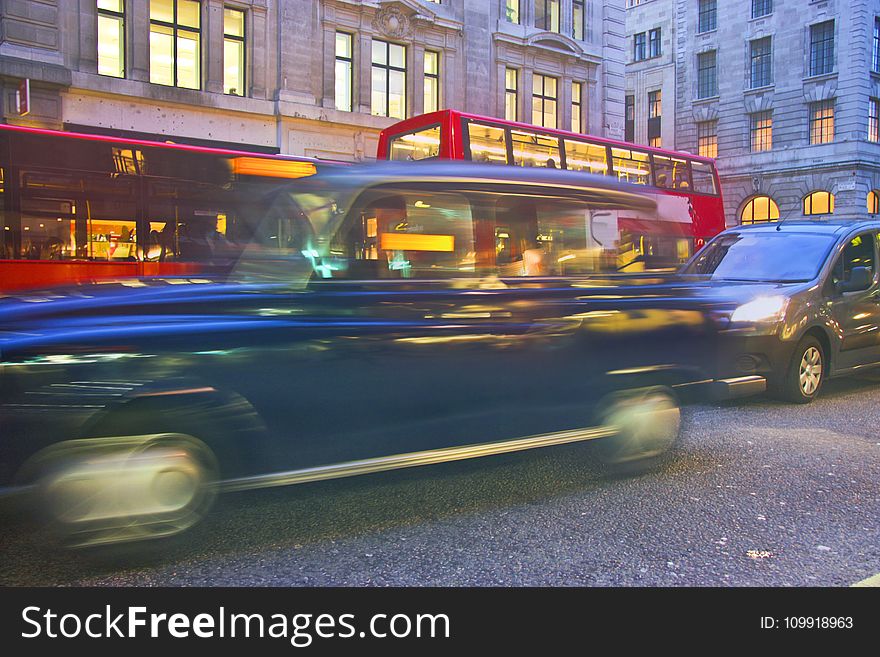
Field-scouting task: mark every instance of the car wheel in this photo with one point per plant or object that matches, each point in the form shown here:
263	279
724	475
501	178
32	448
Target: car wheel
805	374
102	491
648	422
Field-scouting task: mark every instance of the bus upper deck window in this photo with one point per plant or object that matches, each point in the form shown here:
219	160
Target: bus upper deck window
631	166
704	178
581	156
419	145
487	143
534	150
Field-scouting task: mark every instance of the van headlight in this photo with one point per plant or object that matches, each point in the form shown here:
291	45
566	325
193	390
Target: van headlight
761	309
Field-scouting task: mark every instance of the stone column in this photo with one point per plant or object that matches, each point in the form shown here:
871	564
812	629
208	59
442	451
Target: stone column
328	94
88	40
137	15
259	66
363	73
212	46
417	72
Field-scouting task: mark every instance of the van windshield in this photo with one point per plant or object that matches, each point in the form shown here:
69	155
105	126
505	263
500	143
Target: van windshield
778	257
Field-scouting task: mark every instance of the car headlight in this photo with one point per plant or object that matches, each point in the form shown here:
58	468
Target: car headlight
761	309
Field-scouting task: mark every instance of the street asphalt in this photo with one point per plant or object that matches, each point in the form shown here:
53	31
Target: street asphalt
756	493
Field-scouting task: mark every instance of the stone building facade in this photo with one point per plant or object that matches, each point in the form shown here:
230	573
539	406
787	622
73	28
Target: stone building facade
650	73
287	99
787	92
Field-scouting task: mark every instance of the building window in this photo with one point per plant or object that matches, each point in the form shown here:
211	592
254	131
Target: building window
344	65
640	47
759	209
547	15
822	48
233	52
654	43
111	38
388	80
707	138
874	120
511	94
873	202
762	63
707	79
577	91
578	19
175	43
761	8
630	118
544	101
875	47
761	131
654	112
708	16
432	81
511	11
818	203
822	122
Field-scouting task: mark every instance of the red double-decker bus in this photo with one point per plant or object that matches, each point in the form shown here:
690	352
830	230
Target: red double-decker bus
78	208
686	187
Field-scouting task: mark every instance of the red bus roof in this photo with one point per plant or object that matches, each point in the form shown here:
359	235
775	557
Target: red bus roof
441	116
154	144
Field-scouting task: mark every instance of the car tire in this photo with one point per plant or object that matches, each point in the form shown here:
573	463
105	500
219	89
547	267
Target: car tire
806	373
648	421
124	489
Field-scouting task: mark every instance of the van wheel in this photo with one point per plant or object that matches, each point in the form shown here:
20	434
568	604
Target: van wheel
806	373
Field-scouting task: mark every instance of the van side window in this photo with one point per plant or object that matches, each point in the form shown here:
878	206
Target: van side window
860	252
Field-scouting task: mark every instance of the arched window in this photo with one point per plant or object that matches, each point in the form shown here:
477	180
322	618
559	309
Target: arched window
758	210
873	202
818	203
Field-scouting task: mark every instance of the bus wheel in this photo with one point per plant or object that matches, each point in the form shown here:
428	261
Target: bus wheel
100	491
648	422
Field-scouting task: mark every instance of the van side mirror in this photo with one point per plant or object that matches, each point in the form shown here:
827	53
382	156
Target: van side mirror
860	278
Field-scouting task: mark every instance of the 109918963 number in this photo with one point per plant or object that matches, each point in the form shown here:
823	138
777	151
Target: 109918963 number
817	622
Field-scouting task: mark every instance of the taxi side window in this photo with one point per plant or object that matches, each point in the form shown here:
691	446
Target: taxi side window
860	252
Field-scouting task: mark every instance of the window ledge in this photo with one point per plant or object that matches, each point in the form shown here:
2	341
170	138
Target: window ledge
702	34
820	78
707	99
760	90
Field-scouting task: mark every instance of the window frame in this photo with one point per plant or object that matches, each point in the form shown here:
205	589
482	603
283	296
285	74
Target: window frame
652	42
760	133
349	62
434	78
175	27
809	200
388	68
577	95
874	120
821	52
707	16
707	88
118	16
705	134
819	123
760	63
762	5
640	46
238	39
511	93
544	98
576	34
